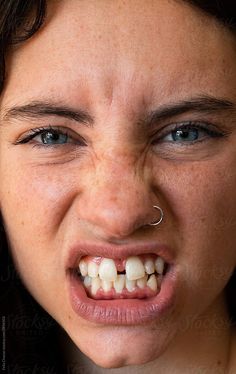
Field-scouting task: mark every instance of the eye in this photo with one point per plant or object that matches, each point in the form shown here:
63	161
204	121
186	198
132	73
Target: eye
189	133
185	135
51	136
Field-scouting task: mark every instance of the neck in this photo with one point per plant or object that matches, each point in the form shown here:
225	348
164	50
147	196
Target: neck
206	344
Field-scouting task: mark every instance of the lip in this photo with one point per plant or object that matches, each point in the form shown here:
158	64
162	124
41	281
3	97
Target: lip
118	251
121	311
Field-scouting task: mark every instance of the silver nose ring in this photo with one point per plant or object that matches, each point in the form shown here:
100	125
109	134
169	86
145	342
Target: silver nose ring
156	223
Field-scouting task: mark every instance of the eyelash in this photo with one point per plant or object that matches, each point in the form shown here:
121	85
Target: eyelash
178	127
206	127
41	130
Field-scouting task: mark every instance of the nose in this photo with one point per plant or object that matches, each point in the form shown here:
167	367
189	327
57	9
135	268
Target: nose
117	201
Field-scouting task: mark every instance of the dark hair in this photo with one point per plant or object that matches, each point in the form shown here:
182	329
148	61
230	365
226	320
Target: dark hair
19	20
223	10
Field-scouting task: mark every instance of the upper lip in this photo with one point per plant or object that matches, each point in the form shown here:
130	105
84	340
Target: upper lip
118	251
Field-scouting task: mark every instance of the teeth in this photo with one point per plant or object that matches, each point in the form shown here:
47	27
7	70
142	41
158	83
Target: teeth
83	267
119	283
105	275
92	269
130	284
107	270
106	285
159	265
87	281
134	268
149	266
152	283
142	282
96	284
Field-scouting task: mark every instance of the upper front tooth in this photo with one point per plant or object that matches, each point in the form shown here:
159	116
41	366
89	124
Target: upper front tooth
149	266
134	268
83	267
92	269
159	265
107	270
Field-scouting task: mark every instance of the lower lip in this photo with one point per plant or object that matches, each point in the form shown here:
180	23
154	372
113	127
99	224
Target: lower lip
122	311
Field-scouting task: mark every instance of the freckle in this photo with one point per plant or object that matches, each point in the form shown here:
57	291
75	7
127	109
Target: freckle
218	362
69	316
22	223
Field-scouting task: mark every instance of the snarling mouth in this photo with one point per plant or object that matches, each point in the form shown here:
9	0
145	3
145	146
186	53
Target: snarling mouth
122	284
134	277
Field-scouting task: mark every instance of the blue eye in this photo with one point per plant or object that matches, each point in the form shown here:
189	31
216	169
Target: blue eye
51	137
189	133
185	135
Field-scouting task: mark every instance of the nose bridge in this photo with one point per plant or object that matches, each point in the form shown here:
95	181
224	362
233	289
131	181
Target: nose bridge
117	168
121	184
118	198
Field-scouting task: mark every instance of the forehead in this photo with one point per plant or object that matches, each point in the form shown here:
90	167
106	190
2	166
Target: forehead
120	48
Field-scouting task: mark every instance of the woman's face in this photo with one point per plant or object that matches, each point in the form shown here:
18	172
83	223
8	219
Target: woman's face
134	72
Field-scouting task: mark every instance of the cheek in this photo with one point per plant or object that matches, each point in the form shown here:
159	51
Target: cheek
33	211
201	198
40	197
203	205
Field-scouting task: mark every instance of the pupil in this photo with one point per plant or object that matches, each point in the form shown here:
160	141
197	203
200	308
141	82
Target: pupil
186	134
53	138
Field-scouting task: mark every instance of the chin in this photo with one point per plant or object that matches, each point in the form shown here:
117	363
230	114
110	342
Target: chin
119	346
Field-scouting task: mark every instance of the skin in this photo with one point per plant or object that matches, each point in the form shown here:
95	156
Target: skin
119	60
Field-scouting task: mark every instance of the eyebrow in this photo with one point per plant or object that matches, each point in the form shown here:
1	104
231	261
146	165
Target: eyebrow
199	104
41	109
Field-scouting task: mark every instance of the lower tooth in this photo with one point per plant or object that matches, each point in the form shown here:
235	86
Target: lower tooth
152	283
119	283
130	285
106	285
142	282
96	284
87	281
